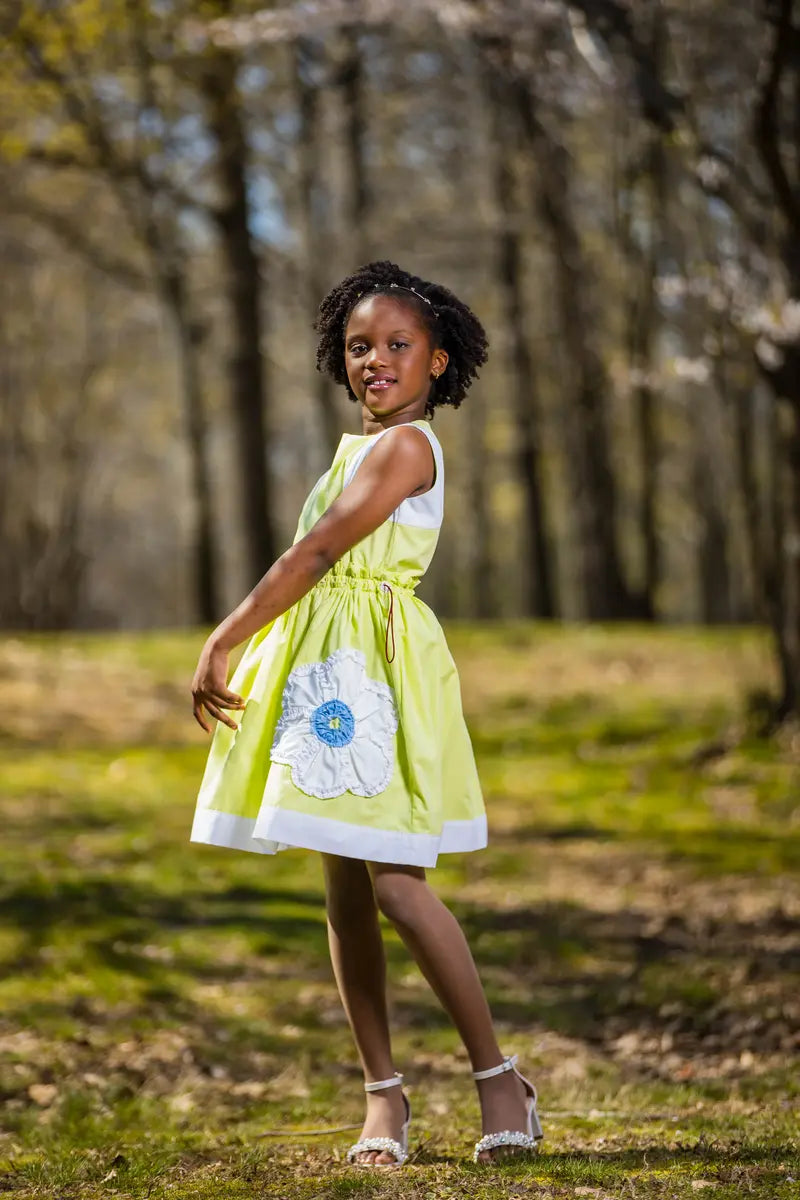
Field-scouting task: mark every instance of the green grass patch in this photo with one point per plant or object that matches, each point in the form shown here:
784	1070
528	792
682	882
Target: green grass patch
170	1024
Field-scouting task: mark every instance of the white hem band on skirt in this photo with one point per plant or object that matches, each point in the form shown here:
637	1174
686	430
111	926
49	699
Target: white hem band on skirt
280	829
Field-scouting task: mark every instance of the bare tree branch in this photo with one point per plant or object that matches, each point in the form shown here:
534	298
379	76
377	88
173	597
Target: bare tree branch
73	234
766	124
122	170
612	20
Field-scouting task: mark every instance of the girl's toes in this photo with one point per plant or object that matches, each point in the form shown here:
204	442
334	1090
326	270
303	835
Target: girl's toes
498	1153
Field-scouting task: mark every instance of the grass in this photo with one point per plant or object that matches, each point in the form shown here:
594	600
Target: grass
170	1025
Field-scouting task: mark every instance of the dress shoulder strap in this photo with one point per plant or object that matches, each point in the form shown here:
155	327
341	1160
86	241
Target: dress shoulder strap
425	511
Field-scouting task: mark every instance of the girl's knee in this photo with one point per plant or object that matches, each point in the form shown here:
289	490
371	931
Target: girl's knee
397	891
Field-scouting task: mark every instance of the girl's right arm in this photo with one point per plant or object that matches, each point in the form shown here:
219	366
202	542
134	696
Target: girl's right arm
397	465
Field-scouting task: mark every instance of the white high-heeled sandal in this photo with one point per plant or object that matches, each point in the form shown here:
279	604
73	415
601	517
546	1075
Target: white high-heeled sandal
398	1149
511	1137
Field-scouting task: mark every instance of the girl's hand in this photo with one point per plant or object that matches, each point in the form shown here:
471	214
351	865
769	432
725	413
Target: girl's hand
209	687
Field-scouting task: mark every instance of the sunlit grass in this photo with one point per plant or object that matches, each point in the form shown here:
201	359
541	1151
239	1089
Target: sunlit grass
636	921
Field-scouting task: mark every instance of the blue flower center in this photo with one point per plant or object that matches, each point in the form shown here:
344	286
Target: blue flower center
333	723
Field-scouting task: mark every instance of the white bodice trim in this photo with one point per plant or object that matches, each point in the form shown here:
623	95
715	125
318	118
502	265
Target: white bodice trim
425	511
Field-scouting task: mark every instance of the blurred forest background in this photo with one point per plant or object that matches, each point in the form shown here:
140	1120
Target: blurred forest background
614	188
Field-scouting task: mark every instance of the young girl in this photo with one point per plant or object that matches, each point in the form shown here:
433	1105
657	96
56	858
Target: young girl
352	739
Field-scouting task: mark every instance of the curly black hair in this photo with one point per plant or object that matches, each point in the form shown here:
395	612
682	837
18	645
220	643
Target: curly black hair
450	323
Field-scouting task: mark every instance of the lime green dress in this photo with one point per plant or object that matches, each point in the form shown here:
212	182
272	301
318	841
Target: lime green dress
352	740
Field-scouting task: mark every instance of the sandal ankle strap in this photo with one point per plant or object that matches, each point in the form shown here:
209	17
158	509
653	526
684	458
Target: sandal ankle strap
506	1065
378	1086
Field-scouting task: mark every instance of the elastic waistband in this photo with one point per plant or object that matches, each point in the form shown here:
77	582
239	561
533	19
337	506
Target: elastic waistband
371	583
368	583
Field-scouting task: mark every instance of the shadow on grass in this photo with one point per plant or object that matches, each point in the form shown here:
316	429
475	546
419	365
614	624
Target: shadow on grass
721	849
588	974
652	1156
744	1165
598	977
116	917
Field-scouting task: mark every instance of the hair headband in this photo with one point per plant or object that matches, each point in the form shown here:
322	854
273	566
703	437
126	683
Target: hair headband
377	287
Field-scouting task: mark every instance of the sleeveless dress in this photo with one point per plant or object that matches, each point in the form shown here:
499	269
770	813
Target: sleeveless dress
352	740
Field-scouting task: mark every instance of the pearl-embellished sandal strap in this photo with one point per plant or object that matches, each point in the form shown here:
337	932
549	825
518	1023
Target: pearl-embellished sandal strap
379	1143
506	1065
378	1086
507	1137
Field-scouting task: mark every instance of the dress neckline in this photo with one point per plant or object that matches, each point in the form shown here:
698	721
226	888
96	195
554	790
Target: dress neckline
416	421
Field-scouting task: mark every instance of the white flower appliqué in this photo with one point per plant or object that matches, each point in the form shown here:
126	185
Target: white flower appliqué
336	728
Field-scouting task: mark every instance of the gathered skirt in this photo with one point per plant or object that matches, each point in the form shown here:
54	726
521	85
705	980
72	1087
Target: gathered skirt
352	740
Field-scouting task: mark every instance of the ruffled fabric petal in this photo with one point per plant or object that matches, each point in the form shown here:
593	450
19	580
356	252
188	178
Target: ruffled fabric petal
375	705
371	765
346	670
322	775
292	733
362	710
303	688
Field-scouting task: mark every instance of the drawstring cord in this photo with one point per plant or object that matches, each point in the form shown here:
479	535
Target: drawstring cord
389	622
384	586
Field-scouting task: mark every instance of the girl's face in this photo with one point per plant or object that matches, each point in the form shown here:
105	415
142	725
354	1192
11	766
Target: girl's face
389	358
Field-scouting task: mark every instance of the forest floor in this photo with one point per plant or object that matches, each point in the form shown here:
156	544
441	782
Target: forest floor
169	1024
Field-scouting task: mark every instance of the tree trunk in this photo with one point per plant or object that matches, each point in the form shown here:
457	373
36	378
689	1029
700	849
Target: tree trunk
538	588
773	146
189	337
642	328
739	401
791	683
246	365
314	204
358	200
776	578
482	569
713	568
605	593
649	454
46	480
641	331
782	580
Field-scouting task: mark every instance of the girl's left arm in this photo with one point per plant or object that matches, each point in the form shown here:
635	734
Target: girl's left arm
399	464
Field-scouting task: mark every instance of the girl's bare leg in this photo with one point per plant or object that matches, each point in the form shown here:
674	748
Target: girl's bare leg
437	942
359	966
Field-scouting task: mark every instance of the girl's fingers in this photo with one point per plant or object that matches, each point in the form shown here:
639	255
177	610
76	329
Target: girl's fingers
197	711
219	714
226	699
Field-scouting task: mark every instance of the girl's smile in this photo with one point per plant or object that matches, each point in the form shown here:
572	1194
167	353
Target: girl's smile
379	383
